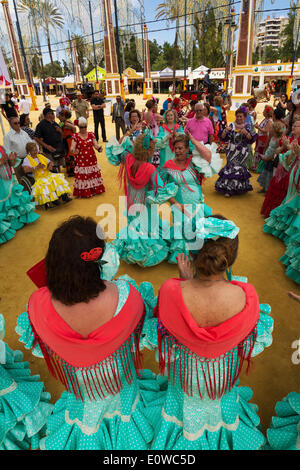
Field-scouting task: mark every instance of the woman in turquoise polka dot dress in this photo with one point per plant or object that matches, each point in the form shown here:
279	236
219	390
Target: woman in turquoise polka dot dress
205	329
24	404
284	431
88	330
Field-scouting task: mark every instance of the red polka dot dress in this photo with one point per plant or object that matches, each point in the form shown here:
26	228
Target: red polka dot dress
88	179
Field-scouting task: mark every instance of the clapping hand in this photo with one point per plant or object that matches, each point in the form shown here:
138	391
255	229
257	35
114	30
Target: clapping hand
184	266
295	147
11	157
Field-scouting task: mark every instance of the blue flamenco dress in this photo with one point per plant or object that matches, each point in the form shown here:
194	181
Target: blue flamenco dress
117	421
221	418
188	182
284	220
16	205
24	404
145	239
284	431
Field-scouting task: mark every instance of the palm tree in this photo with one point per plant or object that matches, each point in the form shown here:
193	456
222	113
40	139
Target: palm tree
31	7
170	9
51	18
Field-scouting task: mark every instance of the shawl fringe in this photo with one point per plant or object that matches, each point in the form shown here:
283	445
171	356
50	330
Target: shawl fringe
219	373
129	355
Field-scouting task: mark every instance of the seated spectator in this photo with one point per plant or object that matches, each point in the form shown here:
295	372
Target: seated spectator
15	140
48	187
48	135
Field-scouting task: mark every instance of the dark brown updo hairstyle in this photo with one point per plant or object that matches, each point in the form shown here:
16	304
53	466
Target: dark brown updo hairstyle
150	103
182	138
216	255
69	278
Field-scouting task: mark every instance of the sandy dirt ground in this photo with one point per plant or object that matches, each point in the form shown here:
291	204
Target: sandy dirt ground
272	376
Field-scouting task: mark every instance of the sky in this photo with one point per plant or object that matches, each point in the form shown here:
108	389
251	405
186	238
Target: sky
162	36
150	12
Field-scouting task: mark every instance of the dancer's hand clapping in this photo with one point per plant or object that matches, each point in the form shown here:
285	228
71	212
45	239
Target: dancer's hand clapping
184	266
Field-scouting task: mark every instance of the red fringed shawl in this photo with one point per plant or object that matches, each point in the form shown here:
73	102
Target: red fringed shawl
198	177
98	356
136	173
167	129
217	352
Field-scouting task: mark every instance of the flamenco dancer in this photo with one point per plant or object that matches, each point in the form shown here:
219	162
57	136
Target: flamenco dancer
24	404
143	185
88	180
165	139
88	329
16	205
186	171
284	220
263	129
284	431
234	177
280	181
206	329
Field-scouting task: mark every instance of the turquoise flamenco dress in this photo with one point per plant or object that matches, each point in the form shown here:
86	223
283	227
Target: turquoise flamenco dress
16	205
145	239
24	404
117	421
162	143
189	421
284	431
284	220
189	192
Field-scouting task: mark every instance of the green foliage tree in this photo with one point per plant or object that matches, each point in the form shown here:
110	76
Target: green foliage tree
53	67
286	52
209	39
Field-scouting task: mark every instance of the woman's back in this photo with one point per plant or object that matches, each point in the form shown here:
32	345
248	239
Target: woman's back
211	303
86	317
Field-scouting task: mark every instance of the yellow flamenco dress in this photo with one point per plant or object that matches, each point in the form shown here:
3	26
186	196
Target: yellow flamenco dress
48	187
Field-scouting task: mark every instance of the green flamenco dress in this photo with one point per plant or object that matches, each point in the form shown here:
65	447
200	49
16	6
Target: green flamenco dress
145	239
16	205
188	182
202	409
126	415
284	432
284	220
24	404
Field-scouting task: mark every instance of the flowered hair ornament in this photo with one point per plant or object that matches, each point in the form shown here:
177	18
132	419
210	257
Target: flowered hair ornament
92	255
213	228
243	109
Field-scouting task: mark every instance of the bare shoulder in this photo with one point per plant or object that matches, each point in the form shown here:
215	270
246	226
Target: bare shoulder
213	305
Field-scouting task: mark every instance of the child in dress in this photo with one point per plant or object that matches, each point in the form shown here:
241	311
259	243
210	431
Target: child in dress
268	157
48	187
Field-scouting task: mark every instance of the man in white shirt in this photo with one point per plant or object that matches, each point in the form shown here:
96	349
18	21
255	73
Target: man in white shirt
24	105
15	140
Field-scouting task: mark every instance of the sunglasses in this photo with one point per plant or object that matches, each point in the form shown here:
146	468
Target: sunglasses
82	127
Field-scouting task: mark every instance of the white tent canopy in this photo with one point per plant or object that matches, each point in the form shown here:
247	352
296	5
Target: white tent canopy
199	72
68	79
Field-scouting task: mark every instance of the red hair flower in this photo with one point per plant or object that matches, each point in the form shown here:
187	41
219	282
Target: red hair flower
92	255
